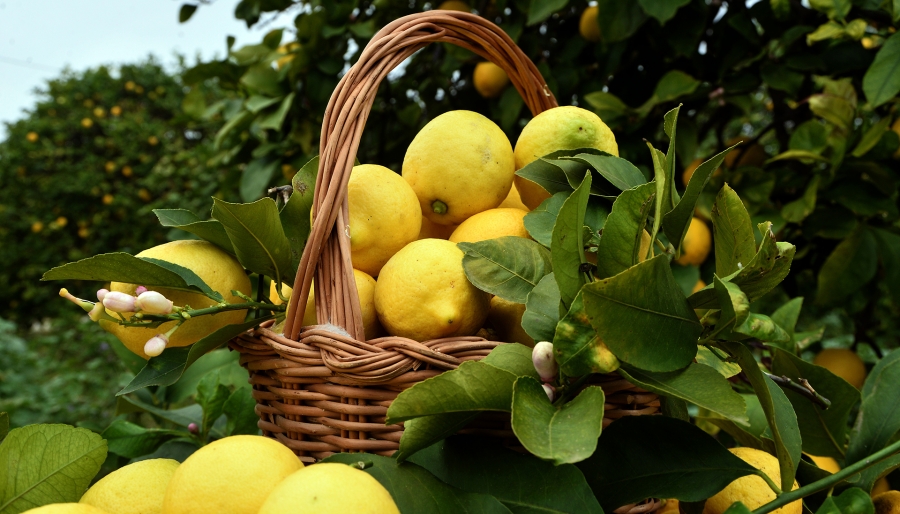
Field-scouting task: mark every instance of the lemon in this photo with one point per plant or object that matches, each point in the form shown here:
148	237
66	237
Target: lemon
881	486
670	507
329	488
491	224
588	25
459	164
698	286
827	463
896	128
67	508
513	200
431	230
887	502
843	363
506	319
454	5
489	79
233	475
561	128
751	489
384	216
220	271
697	243
137	488
365	288
423	293
754	155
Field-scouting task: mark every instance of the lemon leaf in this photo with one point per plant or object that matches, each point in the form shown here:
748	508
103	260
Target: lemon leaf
183	219
567	244
542	310
508	267
620	242
420	433
732	232
258	238
132	441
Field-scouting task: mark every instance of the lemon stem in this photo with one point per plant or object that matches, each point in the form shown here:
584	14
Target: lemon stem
439	207
771	484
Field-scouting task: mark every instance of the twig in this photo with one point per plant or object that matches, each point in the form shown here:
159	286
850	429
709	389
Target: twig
801	387
283	191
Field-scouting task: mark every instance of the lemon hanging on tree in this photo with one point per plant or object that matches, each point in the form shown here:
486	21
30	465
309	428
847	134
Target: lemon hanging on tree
489	79
752	490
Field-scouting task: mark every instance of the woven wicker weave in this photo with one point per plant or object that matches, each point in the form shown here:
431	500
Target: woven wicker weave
322	389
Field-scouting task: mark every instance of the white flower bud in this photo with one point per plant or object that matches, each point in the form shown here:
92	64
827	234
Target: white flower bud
551	392
152	302
156	345
544	363
118	302
101	293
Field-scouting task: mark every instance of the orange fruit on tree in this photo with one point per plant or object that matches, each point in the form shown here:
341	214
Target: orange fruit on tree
844	363
588	25
489	79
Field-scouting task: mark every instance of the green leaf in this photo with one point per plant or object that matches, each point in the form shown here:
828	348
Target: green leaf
618	171
275	119
823	430
619	19
826	31
420	433
734	305
871	137
294	215
474	386
4	425
674	84
257	103
781	77
662	178
850	266
256	177
735	245
651	327
889	253
780	414
851	501
662	10
129	440
834	9
539	222
706	357
183	219
547	175
414	489
698	384
167	368
540	10
240	411
834	109
797	210
523	483
810	136
563	434
620	243
761	327
220	361
513	357
642	457
786	317
881	82
185	12
508	267
879	415
211	396
567	246
44	464
183	417
781	8
258	238
542	310
738	507
798	155
607	105
262	79
578	349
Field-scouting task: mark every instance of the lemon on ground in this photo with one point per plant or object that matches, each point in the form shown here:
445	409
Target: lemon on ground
384	216
843	363
881	486
459	164
423	293
67	508
751	489
138	488
432	230
489	79
491	224
697	243
329	488
561	128
513	200
233	475
220	271
754	155
887	502
896	128
454	5
827	463
365	288
505	317
588	25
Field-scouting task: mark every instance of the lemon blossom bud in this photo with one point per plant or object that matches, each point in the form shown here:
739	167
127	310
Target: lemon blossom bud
139	289
101	293
118	302
153	302
544	363
193	428
97	311
551	393
156	345
84	304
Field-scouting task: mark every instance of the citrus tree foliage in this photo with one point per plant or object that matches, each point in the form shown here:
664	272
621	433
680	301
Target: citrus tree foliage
83	169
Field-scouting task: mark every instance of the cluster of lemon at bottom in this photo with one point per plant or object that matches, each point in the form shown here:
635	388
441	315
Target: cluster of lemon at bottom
244	474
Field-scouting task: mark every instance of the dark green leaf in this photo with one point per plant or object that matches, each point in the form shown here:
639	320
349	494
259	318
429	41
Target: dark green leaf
275	119
567	246
786	317
256	177
183	219
662	10
882	80
420	433
295	214
131	441
4	425
851	501
183	417
802	207
607	105
620	244
222	361
44	464
619	19
674	84
258	238
547	175
513	357
642	457
734	305
871	137
542	310
810	136
738	508
540	10
619	172
651	327
540	221
577	346
779	76
889	252
186	11
508	267
850	266
211	396
240	411
262	79
732	233
879	415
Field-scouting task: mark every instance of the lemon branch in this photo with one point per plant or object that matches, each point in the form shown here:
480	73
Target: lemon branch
188	313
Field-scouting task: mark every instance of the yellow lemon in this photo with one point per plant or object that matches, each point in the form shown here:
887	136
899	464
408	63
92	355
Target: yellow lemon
561	128
881	486
697	243
491	224
506	319
459	164
233	475
751	489
330	488
138	488
670	507
431	230
454	5
754	155
489	79
843	363
220	271
67	508
698	286
87	122
365	288
896	128
423	293
31	137
513	200
887	502
588	25
384	216
827	463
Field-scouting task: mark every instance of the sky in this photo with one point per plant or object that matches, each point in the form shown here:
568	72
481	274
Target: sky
39	38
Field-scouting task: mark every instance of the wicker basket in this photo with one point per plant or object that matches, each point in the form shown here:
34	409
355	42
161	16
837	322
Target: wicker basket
320	391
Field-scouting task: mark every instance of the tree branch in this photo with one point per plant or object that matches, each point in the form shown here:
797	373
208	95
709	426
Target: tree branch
801	387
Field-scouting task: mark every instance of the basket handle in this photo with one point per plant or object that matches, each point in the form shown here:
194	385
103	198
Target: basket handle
327	252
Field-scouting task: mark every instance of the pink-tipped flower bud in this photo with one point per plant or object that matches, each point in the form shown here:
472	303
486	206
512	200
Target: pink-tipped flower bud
152	302
139	289
544	363
118	302
101	293
551	392
156	345
193	428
